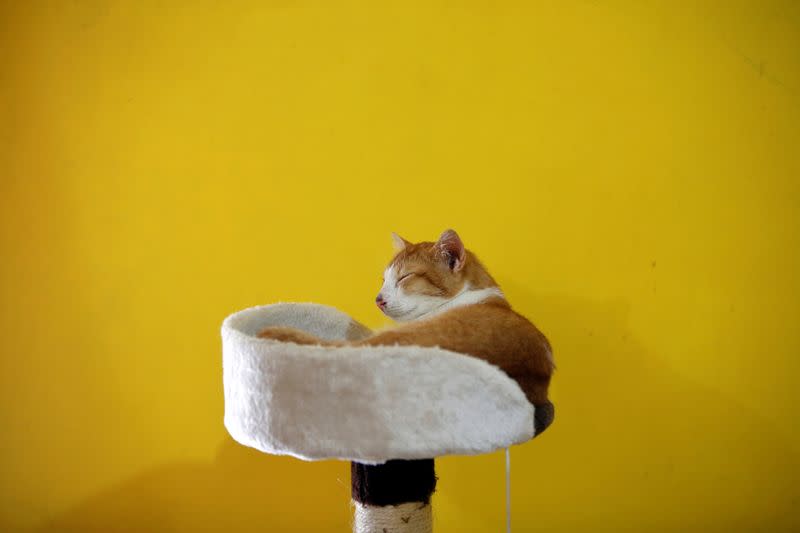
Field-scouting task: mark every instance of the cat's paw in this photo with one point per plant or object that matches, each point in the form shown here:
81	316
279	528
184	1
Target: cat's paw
284	334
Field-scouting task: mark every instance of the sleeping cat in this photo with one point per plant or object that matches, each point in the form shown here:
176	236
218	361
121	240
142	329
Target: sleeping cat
445	297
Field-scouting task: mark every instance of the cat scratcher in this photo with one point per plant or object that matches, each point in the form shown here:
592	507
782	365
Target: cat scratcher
388	409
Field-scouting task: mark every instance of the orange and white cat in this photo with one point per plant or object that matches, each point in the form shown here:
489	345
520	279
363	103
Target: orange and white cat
443	296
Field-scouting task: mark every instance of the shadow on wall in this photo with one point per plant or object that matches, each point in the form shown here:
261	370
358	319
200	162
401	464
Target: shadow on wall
243	490
642	446
634	445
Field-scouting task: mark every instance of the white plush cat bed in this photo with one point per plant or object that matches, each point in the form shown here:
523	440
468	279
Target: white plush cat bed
365	404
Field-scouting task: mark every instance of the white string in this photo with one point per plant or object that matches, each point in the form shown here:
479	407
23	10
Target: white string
508	491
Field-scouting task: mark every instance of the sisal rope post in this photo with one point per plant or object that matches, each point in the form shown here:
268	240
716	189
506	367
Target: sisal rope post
393	497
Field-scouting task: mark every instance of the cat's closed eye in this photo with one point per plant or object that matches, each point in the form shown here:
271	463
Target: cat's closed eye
404	276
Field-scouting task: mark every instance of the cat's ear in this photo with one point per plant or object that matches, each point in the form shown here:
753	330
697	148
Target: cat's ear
399	242
452	249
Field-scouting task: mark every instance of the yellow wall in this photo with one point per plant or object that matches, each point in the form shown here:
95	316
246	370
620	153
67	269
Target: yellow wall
630	172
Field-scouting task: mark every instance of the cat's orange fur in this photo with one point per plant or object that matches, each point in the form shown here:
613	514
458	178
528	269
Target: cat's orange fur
489	329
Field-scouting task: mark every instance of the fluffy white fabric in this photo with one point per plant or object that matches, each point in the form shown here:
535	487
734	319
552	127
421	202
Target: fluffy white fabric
368	404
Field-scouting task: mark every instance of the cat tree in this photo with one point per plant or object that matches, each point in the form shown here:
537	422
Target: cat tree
388	409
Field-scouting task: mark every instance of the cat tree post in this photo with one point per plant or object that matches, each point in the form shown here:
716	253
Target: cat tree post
387	409
394	496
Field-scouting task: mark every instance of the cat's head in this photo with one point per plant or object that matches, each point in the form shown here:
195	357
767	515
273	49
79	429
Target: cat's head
427	276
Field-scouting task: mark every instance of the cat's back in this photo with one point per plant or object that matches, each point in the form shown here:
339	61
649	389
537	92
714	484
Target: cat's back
493	327
493	316
493	331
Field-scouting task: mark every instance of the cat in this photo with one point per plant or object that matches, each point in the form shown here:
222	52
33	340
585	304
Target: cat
443	296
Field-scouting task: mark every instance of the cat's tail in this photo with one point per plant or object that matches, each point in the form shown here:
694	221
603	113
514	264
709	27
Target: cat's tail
543	416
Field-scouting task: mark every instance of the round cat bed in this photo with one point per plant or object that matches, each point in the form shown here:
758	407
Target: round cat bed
365	404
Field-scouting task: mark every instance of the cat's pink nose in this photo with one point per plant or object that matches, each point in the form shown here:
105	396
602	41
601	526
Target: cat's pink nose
380	301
